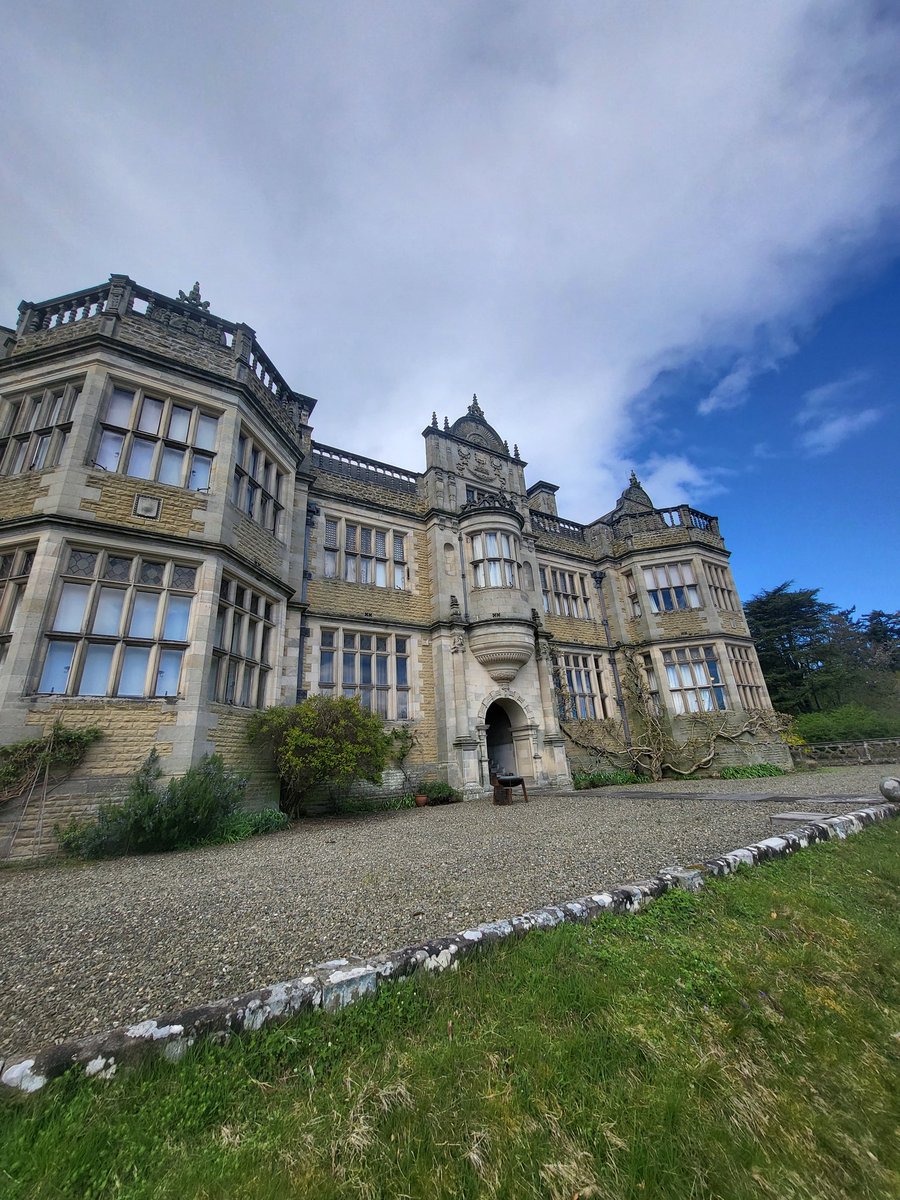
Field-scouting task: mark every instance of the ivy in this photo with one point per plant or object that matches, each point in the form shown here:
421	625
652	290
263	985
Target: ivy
55	755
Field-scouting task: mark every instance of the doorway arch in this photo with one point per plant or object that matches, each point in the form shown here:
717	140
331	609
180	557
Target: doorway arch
508	739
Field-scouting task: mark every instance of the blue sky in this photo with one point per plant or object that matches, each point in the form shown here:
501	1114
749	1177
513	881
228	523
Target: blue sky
660	236
801	459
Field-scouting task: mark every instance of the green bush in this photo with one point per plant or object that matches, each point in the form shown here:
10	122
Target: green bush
849	723
187	812
320	747
757	771
438	792
240	825
352	806
597	779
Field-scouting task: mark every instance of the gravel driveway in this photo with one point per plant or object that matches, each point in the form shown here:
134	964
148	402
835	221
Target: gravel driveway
87	947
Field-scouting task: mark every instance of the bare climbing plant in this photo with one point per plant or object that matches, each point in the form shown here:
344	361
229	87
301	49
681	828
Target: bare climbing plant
652	748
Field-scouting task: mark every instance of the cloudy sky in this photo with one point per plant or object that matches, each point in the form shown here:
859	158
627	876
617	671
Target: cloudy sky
654	235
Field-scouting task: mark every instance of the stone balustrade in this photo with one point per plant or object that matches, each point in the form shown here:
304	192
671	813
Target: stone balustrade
184	328
366	470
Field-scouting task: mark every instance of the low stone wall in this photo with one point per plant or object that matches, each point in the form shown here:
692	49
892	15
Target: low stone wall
876	750
332	985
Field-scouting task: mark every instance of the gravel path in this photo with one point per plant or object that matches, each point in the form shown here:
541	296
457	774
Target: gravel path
87	947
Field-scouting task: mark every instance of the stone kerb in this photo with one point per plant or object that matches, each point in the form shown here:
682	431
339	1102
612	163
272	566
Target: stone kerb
333	985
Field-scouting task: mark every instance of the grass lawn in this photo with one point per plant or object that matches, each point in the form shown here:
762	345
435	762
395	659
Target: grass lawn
742	1043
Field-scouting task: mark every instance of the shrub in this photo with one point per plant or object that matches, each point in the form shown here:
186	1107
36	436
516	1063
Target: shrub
352	806
240	825
757	771
320	747
439	792
187	812
596	779
849	723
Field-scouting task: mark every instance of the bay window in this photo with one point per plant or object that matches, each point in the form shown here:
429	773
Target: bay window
120	625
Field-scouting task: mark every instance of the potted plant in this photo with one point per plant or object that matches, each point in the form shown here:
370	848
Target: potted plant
437	791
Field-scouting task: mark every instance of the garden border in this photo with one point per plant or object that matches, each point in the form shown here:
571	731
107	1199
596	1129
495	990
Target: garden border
334	984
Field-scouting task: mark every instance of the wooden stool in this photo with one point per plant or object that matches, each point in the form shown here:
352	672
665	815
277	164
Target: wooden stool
503	786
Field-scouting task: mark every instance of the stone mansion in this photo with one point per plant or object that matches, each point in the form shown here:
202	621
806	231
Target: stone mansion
176	551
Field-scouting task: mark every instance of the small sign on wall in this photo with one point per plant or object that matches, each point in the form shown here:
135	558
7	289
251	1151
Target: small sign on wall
147	506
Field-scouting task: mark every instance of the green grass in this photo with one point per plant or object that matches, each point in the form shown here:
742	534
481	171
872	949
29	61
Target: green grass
737	1044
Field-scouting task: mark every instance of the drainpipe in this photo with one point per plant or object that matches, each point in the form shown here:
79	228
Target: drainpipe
312	511
598	577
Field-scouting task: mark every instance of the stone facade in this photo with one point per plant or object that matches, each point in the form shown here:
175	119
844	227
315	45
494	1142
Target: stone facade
176	551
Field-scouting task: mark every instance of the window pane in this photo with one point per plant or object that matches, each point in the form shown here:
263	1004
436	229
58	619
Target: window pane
151	411
179	423
117	568
119	411
70	610
365	668
493	574
184	577
491	543
201	467
237	634
140	460
151	572
402	673
143	615
349	672
381	670
95	672
39	454
231	681
56	667
169	672
108	616
133	679
178	612
399	576
326	667
109	450
171	468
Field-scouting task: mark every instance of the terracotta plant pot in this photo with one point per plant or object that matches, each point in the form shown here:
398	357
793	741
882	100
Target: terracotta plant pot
421	801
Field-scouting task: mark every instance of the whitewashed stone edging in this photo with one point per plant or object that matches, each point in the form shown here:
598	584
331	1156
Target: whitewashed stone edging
335	984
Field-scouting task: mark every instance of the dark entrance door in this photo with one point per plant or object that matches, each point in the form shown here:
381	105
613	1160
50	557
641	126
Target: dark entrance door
500	747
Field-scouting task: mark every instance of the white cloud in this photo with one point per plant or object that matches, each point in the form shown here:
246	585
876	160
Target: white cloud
409	203
675	479
827	436
823	418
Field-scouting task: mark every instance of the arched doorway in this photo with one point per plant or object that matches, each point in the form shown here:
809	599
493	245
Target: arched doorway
508	740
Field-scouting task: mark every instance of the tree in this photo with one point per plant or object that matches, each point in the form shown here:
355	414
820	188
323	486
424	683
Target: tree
320	747
817	657
793	632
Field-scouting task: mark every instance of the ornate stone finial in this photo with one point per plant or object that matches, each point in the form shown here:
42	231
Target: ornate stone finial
634	481
506	445
475	408
515	450
446	424
193	297
434	423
